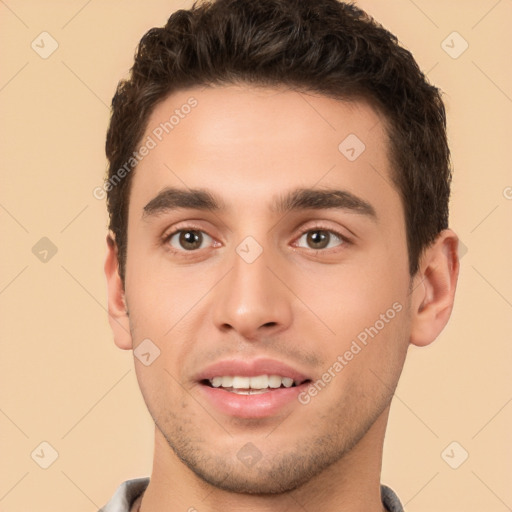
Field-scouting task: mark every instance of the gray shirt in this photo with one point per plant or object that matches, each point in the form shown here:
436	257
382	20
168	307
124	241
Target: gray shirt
130	490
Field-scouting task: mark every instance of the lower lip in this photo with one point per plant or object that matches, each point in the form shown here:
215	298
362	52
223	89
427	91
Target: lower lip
260	405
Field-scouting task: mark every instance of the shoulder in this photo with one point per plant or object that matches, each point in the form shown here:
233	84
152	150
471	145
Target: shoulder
125	495
390	500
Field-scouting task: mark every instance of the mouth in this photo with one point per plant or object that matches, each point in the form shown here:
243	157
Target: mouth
246	385
259	388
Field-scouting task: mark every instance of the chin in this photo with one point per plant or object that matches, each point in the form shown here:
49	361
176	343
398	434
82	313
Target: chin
255	481
272	474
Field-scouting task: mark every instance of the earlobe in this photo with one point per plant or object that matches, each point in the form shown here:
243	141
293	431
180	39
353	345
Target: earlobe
117	308
434	288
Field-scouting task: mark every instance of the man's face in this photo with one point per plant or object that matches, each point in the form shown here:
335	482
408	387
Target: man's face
266	283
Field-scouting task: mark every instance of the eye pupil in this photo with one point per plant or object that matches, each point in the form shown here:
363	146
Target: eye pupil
318	239
191	240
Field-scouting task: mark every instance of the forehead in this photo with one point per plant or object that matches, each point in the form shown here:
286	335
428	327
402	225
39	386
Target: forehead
248	141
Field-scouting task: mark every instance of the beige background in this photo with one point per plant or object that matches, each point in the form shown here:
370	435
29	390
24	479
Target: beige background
62	379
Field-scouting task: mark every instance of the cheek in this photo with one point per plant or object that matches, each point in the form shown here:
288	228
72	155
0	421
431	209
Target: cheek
366	308
156	291
349	298
161	391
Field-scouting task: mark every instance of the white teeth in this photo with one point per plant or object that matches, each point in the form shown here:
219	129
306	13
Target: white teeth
240	382
260	382
216	382
251	385
227	382
274	381
287	382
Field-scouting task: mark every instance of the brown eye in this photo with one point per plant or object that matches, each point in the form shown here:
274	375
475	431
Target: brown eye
189	239
320	239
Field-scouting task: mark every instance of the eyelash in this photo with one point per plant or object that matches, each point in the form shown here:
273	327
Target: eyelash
344	240
190	227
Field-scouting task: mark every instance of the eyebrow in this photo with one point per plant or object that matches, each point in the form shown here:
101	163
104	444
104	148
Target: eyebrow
319	199
299	199
173	198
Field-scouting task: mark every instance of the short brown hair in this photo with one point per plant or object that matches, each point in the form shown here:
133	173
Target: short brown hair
323	46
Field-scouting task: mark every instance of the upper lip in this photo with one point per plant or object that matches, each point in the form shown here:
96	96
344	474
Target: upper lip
250	368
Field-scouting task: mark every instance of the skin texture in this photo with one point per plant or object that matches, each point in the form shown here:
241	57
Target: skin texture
295	304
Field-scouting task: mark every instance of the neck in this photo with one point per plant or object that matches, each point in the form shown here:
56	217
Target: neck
352	484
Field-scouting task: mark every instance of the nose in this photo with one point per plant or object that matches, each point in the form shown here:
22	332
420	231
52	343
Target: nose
252	299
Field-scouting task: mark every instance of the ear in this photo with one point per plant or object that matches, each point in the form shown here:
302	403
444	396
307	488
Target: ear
117	309
433	289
